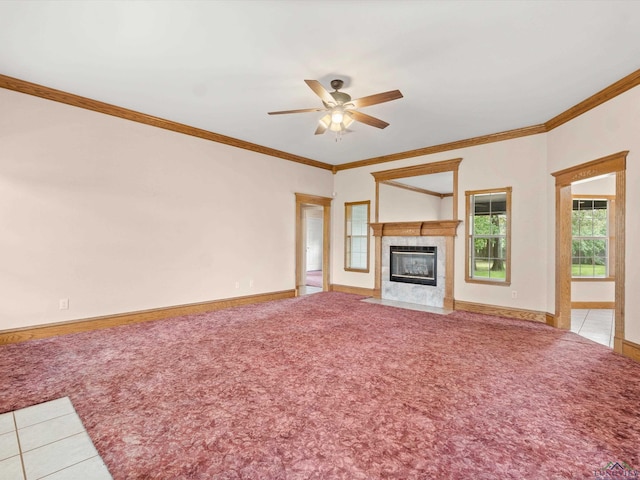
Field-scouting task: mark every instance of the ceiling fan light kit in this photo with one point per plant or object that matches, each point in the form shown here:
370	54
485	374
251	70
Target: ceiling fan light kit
341	109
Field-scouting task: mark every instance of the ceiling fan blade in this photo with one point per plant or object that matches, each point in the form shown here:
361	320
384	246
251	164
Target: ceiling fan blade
368	119
303	110
319	90
321	129
377	98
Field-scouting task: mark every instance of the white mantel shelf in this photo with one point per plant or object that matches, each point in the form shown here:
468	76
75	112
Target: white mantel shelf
434	228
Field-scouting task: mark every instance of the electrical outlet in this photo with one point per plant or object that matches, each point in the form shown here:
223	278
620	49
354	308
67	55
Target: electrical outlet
251	283
237	284
63	304
514	294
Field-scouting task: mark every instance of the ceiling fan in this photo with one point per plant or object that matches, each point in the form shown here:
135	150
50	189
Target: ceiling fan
342	109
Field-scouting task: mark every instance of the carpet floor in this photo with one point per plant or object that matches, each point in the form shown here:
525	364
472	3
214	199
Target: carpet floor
314	278
328	387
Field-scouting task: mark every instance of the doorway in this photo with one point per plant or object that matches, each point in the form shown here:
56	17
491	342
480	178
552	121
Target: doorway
312	233
615	163
593	258
313	215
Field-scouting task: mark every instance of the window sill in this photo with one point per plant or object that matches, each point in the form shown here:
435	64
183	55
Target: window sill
593	279
498	283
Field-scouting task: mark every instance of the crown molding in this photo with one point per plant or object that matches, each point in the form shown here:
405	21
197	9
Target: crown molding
41	91
627	83
444	147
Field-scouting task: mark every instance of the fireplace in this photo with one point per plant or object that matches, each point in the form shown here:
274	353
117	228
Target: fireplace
439	234
413	264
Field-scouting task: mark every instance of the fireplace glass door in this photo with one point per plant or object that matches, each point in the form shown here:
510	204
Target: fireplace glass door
414	265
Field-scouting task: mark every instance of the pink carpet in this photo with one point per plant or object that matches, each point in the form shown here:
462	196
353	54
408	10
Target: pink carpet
314	278
328	387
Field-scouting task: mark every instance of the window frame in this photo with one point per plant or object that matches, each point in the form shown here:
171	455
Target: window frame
611	219
469	237
347	237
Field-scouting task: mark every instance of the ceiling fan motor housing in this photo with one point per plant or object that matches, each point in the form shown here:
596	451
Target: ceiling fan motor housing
340	97
337	84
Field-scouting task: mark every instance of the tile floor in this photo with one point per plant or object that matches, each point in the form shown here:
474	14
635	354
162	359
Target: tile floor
48	441
308	290
596	325
408	306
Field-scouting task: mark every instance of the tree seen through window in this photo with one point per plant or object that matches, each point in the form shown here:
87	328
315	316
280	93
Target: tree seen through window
488	236
590	242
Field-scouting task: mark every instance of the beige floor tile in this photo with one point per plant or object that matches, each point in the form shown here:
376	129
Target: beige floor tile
11	469
91	469
49	431
58	455
597	325
6	423
43	411
8	445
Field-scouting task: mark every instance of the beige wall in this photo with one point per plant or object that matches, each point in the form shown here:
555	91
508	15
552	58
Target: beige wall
526	165
518	163
119	216
609	128
402	205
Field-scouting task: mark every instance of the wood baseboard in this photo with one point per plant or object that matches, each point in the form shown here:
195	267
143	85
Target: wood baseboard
95	323
368	292
631	350
593	305
550	319
507	312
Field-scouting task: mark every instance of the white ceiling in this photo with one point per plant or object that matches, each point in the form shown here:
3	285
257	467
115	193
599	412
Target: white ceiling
466	68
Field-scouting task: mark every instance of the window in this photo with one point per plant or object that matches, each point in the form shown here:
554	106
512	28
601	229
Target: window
489	236
591	244
356	248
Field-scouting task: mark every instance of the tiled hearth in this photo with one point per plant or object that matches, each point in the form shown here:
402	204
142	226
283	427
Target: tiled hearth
437	233
429	295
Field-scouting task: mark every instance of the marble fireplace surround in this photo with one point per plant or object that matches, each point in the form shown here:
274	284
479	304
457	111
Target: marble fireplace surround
440	233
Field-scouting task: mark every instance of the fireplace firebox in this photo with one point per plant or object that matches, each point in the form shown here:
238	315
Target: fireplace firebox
414	265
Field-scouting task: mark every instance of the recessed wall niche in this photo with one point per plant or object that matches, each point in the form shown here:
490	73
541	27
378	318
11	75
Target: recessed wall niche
411	223
420	192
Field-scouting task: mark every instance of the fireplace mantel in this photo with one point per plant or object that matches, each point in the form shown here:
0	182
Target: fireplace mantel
434	228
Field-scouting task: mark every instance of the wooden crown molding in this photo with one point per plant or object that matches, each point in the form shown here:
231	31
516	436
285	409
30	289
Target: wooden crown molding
627	83
444	147
82	102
